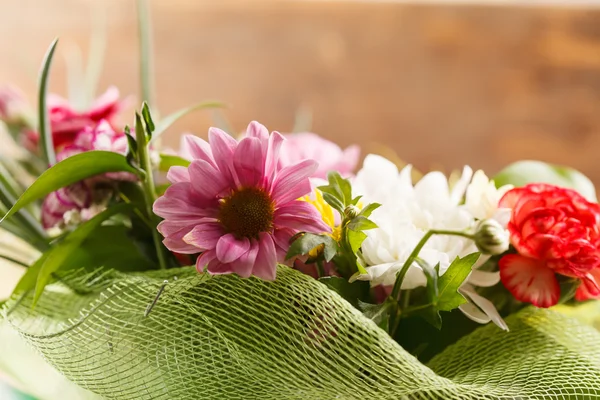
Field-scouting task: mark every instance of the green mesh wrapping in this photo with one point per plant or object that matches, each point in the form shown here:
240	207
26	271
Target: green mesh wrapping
228	338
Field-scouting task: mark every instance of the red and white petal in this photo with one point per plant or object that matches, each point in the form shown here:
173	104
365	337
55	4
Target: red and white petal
529	280
589	288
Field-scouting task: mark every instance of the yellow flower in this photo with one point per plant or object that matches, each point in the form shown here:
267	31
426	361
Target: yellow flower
326	211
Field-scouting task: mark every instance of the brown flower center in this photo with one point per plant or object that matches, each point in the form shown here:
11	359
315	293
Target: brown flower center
247	212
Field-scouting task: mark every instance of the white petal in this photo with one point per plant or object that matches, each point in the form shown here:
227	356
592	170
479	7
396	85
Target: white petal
474	313
485	305
483	278
459	189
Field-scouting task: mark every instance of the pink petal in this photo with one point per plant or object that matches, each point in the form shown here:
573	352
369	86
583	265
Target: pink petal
178	174
205	236
179	246
249	162
257	130
274	147
302	223
206	180
174	234
265	266
223	147
205	259
180	201
282	236
529	280
243	266
194	148
292	182
230	249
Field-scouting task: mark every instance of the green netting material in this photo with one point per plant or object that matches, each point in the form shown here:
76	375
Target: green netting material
227	338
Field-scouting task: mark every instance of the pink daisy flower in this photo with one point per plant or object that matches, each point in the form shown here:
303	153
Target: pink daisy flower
236	205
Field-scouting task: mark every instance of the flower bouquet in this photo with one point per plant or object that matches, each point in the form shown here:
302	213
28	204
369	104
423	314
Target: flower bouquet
266	267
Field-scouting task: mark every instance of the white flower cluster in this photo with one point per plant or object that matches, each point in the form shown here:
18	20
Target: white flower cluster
409	211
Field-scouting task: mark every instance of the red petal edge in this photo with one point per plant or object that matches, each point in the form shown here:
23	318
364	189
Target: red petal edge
529	280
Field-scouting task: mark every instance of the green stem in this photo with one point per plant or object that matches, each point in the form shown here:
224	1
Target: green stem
148	185
320	269
415	253
146	62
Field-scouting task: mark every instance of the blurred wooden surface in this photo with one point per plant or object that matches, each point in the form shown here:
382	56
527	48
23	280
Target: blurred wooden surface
442	85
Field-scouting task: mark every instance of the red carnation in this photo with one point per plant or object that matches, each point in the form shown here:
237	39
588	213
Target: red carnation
555	231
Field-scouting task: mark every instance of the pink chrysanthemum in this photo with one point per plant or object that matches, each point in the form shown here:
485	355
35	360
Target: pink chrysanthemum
236	205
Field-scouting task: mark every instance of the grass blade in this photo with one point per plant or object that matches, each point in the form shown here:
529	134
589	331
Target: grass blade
45	130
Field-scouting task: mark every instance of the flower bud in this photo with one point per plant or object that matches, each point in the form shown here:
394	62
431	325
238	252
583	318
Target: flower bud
491	237
351	211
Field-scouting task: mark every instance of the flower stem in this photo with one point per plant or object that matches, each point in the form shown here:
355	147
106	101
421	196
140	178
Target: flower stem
415	253
145	42
148	185
320	269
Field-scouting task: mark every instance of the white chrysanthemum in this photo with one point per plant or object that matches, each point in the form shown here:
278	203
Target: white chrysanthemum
408	212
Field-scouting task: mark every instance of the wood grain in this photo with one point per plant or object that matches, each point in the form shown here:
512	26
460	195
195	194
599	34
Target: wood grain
442	85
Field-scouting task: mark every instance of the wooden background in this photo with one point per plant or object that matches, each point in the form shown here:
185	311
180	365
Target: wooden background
442	85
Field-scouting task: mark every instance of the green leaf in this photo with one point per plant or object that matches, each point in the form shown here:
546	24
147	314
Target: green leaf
122	254
351	292
29	279
45	130
453	278
148	118
355	239
361	223
334	202
59	254
170	119
168	160
69	171
366	211
431	275
338	188
523	172
308	241
378	313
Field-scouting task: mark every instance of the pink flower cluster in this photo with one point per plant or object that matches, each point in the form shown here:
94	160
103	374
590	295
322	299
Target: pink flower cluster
84	199
67	123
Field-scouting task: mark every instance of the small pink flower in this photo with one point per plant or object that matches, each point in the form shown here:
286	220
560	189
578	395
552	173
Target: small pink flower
66	122
310	146
85	198
236	205
70	199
